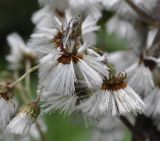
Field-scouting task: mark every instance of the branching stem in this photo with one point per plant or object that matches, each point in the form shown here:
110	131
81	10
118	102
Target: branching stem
27	78
135	133
24	76
145	17
43	137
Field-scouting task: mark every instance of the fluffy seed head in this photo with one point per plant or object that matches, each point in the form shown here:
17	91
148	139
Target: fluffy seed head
21	124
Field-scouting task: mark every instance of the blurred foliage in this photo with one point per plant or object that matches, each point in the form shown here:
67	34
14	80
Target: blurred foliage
127	137
15	17
61	129
109	42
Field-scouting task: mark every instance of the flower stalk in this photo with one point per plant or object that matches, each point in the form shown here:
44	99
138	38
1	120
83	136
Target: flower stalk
24	76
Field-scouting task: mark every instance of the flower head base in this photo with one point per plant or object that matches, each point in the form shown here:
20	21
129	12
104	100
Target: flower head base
115	83
67	58
6	90
31	109
8	106
21	124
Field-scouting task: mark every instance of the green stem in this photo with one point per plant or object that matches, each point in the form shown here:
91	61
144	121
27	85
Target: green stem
131	127
43	137
27	78
20	88
24	76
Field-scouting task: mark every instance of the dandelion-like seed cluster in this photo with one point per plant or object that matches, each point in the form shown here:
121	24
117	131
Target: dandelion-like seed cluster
75	76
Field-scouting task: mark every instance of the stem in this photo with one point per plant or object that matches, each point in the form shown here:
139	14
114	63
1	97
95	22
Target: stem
38	99
43	137
24	75
127	123
154	50
20	88
145	17
23	94
131	128
27	78
147	127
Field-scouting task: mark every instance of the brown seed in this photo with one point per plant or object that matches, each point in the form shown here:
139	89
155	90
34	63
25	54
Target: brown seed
67	58
114	86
